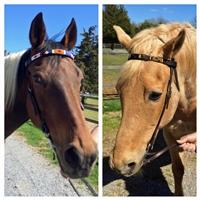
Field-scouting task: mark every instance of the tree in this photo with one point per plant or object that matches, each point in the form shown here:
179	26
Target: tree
87	60
6	53
147	24
115	15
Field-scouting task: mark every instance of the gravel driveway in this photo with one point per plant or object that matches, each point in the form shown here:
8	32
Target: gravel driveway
29	174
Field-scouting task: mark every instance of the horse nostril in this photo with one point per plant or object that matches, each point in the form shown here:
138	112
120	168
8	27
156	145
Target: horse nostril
131	164
73	157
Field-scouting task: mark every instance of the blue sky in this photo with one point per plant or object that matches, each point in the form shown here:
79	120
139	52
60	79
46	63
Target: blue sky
180	13
56	17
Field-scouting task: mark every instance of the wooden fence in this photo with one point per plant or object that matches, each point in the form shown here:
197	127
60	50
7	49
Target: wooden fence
90	106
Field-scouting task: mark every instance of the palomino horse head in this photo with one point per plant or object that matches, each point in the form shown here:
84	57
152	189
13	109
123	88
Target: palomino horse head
143	88
55	81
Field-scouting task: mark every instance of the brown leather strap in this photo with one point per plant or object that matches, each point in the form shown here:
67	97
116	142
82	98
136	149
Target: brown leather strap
157	154
169	62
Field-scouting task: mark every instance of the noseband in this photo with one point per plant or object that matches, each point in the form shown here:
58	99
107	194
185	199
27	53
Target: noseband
37	110
171	63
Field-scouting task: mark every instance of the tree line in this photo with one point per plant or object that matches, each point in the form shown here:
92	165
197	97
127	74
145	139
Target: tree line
117	15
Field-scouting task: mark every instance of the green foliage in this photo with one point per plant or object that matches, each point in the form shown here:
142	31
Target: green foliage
148	24
111	105
87	60
114	15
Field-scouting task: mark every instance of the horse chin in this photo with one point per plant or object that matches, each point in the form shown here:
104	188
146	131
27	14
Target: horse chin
133	172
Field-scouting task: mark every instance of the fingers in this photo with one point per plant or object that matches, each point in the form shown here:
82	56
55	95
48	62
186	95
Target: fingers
188	147
191	138
182	140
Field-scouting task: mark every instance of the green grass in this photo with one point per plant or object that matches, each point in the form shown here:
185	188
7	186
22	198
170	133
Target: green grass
110	76
90	113
36	138
111	115
91	101
111	105
93	178
114	59
111	122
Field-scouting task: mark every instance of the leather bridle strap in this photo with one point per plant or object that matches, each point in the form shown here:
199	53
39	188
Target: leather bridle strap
157	154
42	53
171	63
38	112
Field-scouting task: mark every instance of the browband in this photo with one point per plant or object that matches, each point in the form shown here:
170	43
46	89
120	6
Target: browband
61	52
169	62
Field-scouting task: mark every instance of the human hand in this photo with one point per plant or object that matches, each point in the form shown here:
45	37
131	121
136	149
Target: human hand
188	142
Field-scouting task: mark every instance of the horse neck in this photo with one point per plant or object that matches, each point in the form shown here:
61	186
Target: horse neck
16	116
187	81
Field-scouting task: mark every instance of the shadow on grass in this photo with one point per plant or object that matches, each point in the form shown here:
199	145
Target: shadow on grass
150	182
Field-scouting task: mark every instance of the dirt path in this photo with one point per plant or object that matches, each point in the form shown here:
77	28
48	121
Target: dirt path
155	179
27	173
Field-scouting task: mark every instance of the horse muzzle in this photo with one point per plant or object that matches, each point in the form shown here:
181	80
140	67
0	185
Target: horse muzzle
127	169
75	164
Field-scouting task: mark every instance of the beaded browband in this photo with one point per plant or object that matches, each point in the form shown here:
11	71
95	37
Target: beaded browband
61	52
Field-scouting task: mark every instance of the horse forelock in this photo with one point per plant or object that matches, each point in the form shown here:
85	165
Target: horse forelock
12	63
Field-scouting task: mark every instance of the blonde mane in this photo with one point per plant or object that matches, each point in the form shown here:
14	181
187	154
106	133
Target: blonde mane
11	69
151	40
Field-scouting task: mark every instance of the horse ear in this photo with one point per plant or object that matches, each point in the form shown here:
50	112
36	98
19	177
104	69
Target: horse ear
37	33
171	48
123	38
69	39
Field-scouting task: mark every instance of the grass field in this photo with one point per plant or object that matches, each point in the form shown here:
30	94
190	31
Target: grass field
110	76
90	113
111	121
114	59
36	138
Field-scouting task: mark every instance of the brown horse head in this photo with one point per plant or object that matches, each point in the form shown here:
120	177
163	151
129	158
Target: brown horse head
55	81
142	88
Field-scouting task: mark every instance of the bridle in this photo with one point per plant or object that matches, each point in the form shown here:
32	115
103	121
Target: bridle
171	63
37	110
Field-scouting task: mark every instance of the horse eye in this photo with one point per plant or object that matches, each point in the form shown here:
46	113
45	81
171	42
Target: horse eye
154	96
38	79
